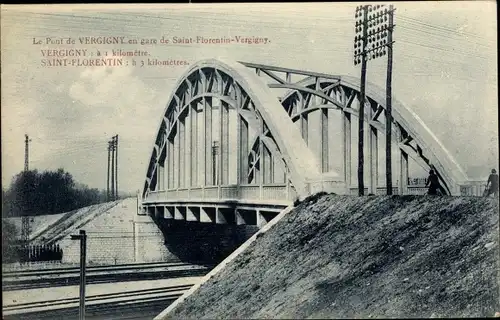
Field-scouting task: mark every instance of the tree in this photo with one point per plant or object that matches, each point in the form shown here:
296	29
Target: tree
48	192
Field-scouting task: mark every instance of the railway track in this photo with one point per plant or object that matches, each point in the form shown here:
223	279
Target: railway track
31	279
63	270
136	304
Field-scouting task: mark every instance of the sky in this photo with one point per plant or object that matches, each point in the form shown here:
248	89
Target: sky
444	69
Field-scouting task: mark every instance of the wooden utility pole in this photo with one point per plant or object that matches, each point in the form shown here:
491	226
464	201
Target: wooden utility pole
109	156
361	118
373	35
116	167
113	168
361	41
388	126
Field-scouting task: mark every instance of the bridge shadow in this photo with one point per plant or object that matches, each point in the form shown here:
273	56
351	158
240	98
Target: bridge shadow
202	243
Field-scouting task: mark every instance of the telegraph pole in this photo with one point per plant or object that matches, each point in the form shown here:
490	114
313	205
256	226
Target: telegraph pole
362	12
26	152
109	155
374	25
25	220
116	166
388	126
113	168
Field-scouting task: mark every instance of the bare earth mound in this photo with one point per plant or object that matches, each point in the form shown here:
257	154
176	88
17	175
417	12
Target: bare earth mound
361	257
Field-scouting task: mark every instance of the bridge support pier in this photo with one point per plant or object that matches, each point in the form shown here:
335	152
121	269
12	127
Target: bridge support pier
263	217
179	213
251	215
207	215
192	214
261	221
246	217
239	217
220	216
168	213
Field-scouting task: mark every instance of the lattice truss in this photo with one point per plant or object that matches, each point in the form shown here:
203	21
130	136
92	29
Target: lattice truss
320	92
184	149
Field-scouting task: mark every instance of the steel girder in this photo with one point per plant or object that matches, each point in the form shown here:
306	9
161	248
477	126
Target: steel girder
339	92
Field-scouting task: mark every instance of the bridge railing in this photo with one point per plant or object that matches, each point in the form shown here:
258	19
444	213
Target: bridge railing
155	195
249	192
417	190
274	192
280	192
473	188
470	188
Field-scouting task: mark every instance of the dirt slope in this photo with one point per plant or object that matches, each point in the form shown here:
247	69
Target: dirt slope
53	227
70	221
363	257
38	223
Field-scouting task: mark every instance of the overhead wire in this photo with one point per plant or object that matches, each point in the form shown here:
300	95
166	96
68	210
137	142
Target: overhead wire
102	146
443	41
149	29
439	28
413	25
457	52
267	24
426	34
182	17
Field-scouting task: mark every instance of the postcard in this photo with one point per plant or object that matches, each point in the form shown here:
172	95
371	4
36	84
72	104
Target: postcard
176	160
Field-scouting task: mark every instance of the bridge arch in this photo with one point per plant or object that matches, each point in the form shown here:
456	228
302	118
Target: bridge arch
414	138
235	88
281	138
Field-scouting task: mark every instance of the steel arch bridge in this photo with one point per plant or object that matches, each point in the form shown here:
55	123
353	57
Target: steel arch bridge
229	149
